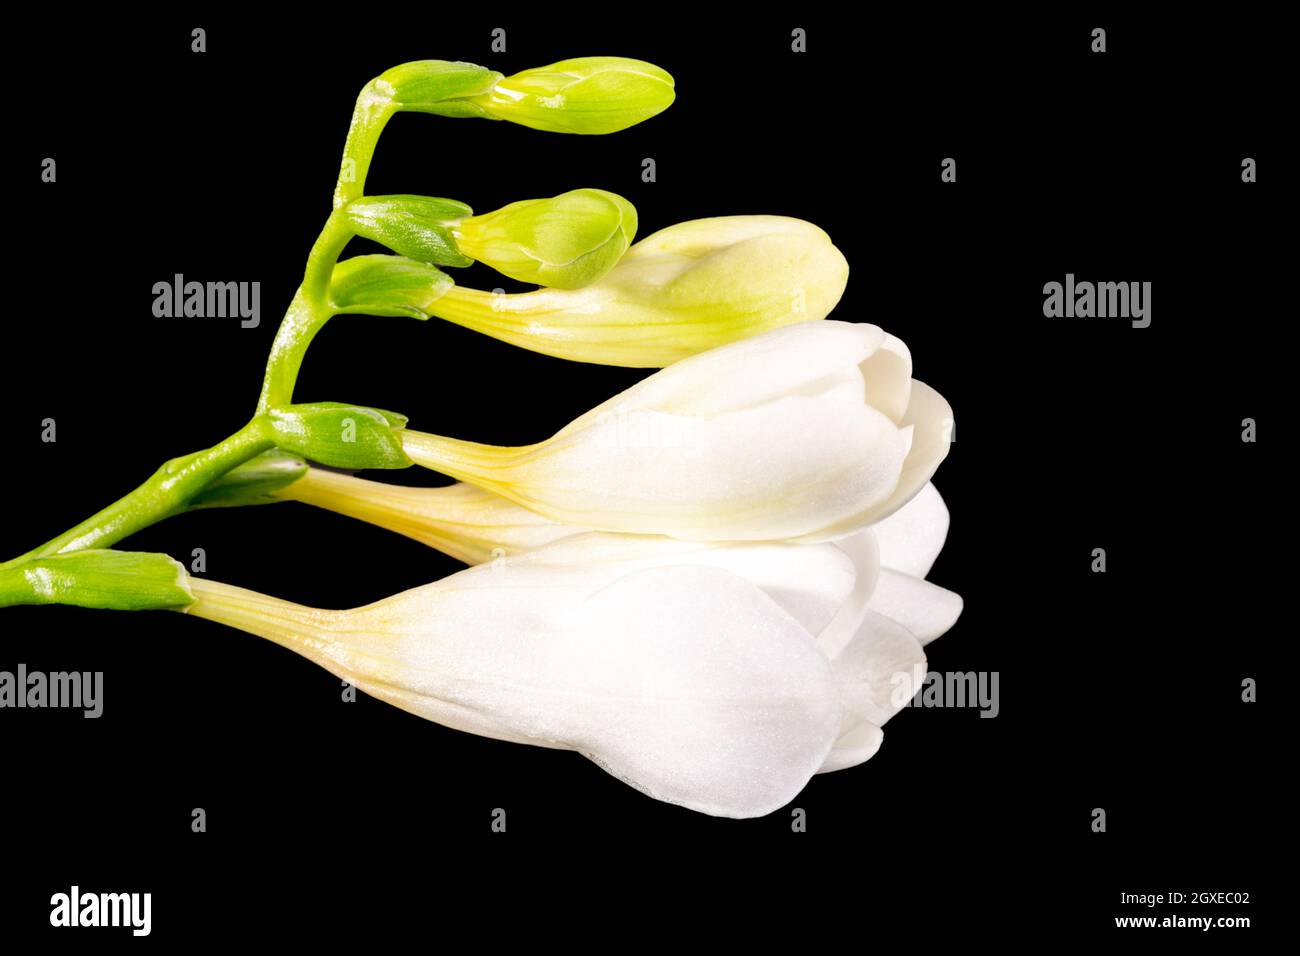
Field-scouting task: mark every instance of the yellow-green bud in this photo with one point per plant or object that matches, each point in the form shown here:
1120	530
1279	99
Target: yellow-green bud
683	290
591	94
565	242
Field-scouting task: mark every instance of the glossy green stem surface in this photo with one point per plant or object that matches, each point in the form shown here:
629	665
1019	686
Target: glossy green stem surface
171	489
167	492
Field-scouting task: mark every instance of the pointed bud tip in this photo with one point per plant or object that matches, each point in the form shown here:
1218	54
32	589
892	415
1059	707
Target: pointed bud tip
586	95
565	242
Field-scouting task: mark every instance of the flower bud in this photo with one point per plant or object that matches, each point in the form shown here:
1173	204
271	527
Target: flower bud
387	285
418	227
432	86
685	289
593	94
341	436
110	580
565	242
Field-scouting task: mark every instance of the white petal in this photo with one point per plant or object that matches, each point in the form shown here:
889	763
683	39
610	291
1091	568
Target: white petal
736	731
924	609
911	538
882	658
785	469
887	373
689	683
810	582
856	745
862	550
746	373
930	417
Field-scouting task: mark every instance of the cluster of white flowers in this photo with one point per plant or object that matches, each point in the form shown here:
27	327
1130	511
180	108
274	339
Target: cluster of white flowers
712	621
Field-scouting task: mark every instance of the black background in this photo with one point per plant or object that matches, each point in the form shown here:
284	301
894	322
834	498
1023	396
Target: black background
1118	690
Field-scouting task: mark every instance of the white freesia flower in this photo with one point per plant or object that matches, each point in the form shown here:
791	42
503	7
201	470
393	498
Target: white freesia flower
811	431
668	666
881	621
715	676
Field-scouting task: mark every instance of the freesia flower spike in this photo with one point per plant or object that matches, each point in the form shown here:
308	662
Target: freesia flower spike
710	584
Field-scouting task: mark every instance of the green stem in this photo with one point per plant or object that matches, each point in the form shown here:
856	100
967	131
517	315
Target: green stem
164	494
323	257
15	586
307	314
375	107
179	480
310	308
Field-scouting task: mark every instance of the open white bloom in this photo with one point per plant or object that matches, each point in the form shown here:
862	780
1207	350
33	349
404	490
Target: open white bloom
865	598
811	431
667	665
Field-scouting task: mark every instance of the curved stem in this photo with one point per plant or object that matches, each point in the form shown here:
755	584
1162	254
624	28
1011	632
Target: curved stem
323	257
176	482
374	108
164	494
306	315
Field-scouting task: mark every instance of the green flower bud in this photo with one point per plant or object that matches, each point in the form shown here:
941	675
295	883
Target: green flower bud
418	227
341	436
591	94
111	580
387	285
566	242
427	86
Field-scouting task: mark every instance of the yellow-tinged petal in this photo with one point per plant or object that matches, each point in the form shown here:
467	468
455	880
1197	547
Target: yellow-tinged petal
461	520
684	290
